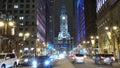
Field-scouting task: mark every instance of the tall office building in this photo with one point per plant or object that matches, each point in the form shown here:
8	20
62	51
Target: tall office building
50	21
30	16
85	14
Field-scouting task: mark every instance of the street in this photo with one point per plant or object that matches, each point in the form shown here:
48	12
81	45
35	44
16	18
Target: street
66	63
91	65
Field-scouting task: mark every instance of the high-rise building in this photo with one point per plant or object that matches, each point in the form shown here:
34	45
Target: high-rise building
30	16
50	21
85	14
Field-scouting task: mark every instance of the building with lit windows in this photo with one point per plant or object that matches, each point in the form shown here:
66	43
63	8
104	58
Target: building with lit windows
108	24
85	20
30	16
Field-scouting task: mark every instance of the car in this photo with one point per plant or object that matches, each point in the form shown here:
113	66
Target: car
26	60
43	62
103	59
79	58
8	60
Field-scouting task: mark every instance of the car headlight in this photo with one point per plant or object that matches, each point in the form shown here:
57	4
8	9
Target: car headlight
34	63
52	59
26	60
47	62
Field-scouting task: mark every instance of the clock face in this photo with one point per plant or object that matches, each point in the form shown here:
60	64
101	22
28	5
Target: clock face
63	17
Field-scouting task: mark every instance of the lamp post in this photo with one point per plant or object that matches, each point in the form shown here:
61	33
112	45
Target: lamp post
113	37
94	43
23	37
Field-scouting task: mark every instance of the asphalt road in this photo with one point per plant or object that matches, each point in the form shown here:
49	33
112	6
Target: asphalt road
66	63
91	65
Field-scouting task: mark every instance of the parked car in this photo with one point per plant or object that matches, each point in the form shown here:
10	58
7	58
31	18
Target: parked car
103	59
8	60
43	62
78	58
26	59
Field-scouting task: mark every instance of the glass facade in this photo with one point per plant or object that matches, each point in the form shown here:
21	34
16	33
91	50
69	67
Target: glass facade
80	20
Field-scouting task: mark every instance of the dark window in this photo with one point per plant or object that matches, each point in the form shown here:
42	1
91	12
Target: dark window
10	1
27	22
15	0
32	42
33	29
33	0
10	11
32	17
9	6
21	11
20	29
26	29
33	11
21	5
16	17
33	6
4	1
21	0
27	17
27	5
15	11
3	6
27	0
27	11
26	42
33	23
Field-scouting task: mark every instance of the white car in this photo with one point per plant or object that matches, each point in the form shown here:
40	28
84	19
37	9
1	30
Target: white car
8	60
79	58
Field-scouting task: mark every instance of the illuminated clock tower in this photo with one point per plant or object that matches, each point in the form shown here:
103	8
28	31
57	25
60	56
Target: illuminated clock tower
63	34
64	39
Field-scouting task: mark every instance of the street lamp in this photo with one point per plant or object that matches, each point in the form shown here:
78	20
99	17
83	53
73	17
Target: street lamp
94	43
113	37
23	37
1	24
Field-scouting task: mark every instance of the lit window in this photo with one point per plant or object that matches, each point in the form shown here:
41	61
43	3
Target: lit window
16	6
21	24
21	18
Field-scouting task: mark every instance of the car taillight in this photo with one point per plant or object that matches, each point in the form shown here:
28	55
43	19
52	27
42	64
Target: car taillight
102	57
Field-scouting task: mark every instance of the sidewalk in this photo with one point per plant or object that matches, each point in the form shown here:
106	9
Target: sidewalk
64	63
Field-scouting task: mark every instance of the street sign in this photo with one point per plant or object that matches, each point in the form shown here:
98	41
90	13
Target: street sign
64	45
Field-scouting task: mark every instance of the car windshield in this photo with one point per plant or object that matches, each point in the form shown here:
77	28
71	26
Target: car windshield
27	56
43	57
2	56
79	55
